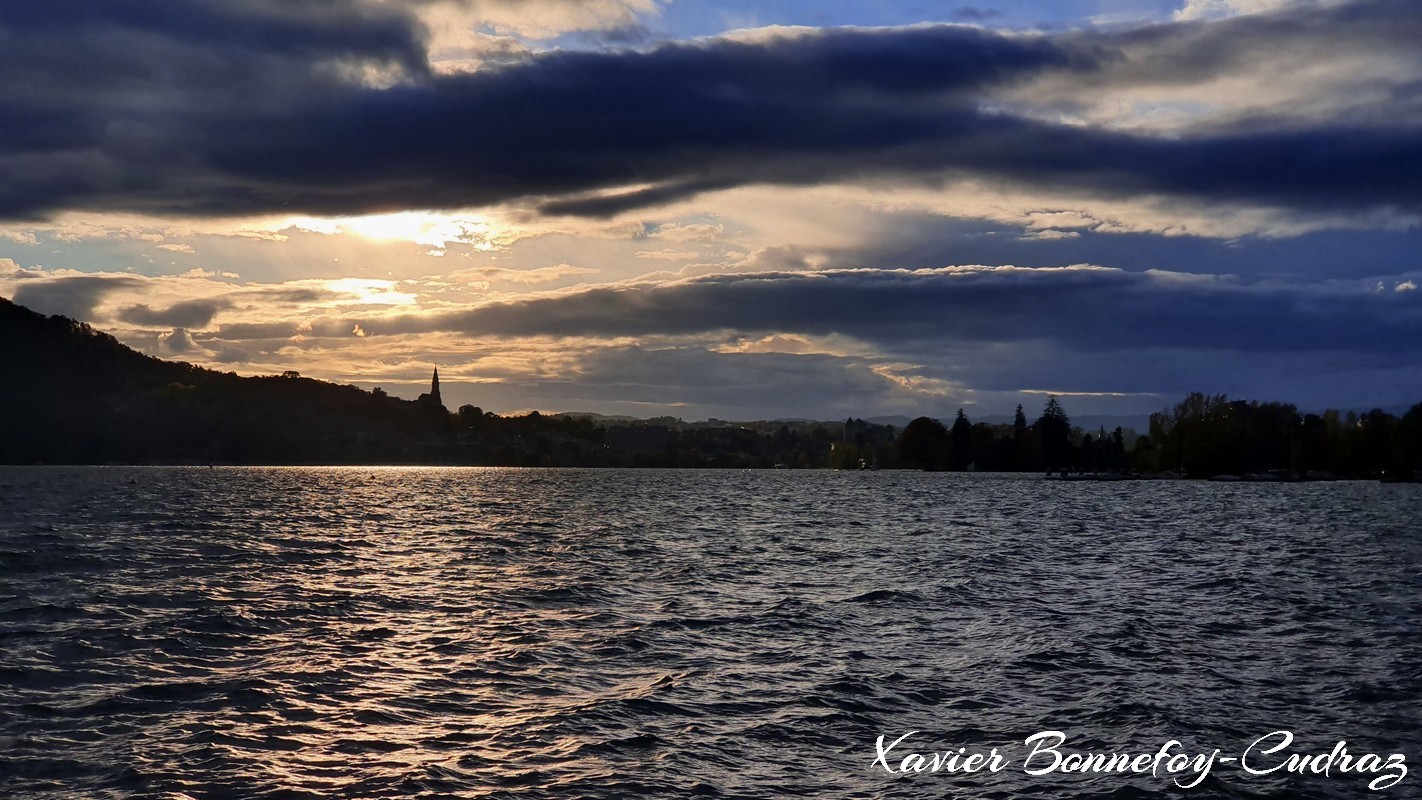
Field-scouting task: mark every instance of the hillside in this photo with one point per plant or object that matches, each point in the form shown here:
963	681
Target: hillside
70	394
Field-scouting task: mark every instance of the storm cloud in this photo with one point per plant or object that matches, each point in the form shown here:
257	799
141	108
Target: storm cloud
223	107
1082	309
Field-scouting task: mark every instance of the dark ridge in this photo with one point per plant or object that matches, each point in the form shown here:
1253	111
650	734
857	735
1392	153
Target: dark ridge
71	394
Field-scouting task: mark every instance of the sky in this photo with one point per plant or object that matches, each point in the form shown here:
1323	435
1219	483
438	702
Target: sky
741	210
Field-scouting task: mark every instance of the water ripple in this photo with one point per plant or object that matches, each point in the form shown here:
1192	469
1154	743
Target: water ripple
373	633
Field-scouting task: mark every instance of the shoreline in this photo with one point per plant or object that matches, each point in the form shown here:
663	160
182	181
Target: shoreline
1079	477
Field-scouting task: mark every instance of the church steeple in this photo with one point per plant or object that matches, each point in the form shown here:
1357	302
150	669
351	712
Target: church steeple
434	388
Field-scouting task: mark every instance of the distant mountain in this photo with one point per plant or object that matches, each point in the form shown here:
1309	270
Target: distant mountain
896	421
74	395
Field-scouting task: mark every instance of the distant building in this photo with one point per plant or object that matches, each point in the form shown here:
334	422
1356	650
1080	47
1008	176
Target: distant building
432	397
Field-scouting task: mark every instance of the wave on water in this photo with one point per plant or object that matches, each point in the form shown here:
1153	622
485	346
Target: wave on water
408	633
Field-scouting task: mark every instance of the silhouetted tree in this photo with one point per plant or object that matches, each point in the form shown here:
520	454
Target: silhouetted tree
1026	450
1145	456
925	442
1117	459
1409	434
1054	428
962	435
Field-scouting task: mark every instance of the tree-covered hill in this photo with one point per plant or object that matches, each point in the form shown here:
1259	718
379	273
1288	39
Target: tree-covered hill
70	394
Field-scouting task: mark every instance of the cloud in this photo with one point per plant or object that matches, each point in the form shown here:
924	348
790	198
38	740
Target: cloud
794	344
1219	9
908	378
198	272
72	296
683	117
667	255
857	341
119	301
599	133
644	380
19	236
179	342
188	314
299	296
229	354
1307	64
450	21
1083	308
687	232
1049	235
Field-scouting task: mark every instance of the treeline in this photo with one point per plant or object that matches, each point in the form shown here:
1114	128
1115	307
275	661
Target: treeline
1206	435
561	440
1202	436
1047	443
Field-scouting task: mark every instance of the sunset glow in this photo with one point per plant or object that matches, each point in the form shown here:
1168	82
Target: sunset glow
630	206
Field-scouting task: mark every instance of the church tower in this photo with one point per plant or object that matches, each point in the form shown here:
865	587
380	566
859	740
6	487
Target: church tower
434	389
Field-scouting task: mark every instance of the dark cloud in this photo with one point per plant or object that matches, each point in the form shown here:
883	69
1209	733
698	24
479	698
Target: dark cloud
687	117
692	382
229	354
188	314
1084	310
1185	53
181	342
698	383
223	106
253	331
266	295
916	239
110	102
74	297
178	341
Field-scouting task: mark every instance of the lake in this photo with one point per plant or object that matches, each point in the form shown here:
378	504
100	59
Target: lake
421	632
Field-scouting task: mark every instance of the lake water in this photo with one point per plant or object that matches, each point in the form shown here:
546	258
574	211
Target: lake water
359	632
